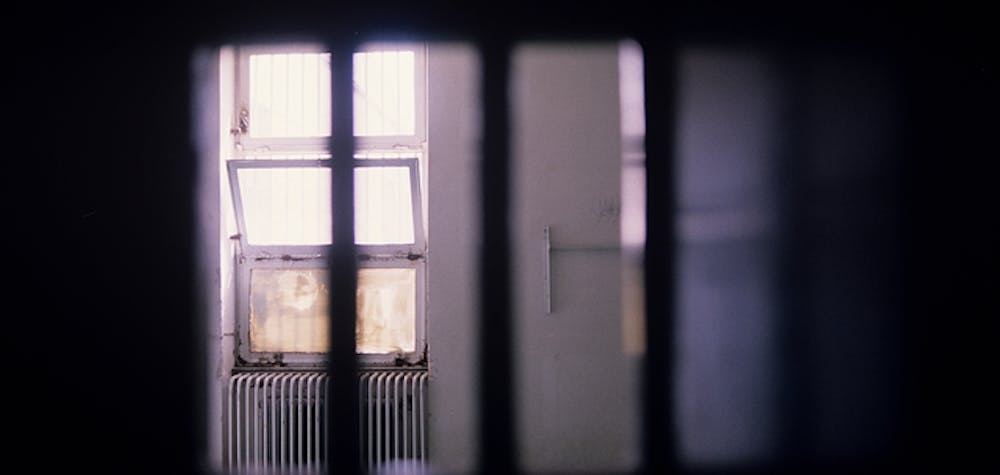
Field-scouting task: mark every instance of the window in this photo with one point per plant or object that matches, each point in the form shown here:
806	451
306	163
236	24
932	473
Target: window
280	180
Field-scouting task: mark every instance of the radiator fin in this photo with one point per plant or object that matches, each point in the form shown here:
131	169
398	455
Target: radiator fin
277	422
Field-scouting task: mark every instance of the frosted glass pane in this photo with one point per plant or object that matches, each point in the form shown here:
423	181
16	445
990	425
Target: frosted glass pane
286	206
384	93
288	310
386	310
292	206
289	95
383	206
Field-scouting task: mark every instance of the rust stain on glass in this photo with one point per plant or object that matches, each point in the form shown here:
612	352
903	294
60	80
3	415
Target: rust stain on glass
288	310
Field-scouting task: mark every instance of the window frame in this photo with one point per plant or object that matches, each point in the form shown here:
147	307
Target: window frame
248	144
248	257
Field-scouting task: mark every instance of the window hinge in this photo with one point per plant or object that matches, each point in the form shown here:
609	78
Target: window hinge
243	122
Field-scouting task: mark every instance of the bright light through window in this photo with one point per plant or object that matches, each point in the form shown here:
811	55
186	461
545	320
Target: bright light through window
289	94
289	206
384	93
292	206
383	208
281	177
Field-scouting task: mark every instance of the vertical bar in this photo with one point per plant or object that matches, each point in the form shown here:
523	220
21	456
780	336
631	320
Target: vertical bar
370	426
290	421
496	438
396	409
283	424
326	426
272	402
308	441
406	436
317	423
248	422
231	422
343	443
399	95
423	418
659	447
318	418
297	405
378	418
361	426
256	423
387	418
417	415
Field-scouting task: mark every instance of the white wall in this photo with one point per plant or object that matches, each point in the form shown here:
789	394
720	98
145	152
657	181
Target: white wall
575	386
452	194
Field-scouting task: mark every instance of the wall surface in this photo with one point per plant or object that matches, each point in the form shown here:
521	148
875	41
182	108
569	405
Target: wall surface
789	326
452	276
575	386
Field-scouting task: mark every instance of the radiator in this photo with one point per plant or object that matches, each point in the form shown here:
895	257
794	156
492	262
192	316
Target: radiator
277	422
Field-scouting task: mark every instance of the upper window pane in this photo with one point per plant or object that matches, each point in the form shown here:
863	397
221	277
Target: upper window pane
290	95
384	93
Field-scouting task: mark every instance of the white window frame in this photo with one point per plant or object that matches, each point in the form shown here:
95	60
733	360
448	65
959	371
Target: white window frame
255	256
413	143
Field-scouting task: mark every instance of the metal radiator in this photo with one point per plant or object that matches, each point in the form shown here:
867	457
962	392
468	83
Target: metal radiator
277	422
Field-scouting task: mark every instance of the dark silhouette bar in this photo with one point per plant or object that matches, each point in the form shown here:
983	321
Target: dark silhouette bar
497	433
342	419
658	437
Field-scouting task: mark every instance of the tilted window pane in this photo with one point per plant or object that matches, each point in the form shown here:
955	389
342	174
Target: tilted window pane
288	310
384	93
289	95
383	205
286	206
292	206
